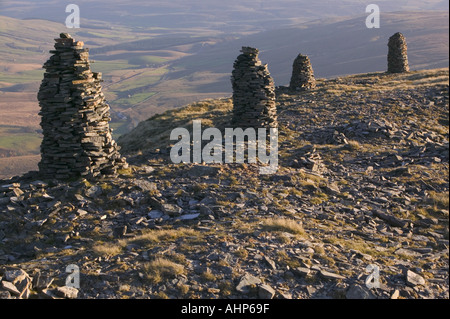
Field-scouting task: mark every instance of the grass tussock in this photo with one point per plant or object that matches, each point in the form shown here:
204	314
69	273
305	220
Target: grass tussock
160	269
155	236
208	276
148	238
439	200
108	249
353	145
283	225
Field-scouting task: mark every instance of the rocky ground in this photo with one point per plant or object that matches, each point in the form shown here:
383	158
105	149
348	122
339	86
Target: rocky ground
362	182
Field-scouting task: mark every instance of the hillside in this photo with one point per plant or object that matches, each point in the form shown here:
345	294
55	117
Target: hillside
148	70
363	180
154	133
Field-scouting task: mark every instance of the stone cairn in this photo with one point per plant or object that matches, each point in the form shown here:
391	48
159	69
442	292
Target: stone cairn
302	74
397	55
253	92
75	117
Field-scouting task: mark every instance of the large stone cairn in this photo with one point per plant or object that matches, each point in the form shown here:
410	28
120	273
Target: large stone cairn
253	92
75	117
398	54
302	74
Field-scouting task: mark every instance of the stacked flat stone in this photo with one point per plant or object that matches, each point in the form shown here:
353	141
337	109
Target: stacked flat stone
397	54
253	92
302	74
75	117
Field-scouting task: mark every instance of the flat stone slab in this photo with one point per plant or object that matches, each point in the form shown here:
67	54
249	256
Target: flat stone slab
9	286
413	279
329	275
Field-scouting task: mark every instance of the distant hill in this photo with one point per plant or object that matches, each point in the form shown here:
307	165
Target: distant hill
335	48
229	17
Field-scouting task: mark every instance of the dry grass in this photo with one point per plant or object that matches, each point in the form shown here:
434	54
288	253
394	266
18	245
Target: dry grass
283	225
208	276
161	269
146	239
439	200
109	249
353	145
285	260
241	253
155	236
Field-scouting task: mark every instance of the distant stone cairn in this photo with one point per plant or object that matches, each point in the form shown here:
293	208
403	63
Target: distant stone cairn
302	74
253	92
398	54
75	117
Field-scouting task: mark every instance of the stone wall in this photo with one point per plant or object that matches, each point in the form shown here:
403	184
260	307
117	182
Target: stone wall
398	54
253	92
75	117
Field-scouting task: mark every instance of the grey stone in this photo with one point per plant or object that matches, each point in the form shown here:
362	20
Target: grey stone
93	192
332	188
171	210
395	294
270	262
41	281
407	252
359	292
266	292
155	214
5	294
66	292
81	212
301	271
413	279
329	275
10	287
390	219
247	283
311	290
203	170
48	294
188	216
145	185
121	231
205	210
15	275
24	287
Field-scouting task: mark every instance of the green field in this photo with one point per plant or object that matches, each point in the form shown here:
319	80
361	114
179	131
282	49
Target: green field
147	59
134	99
19	140
22	77
109	66
138	79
